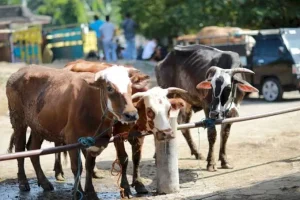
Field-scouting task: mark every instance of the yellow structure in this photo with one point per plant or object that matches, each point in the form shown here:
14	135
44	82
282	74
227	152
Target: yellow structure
89	42
29	42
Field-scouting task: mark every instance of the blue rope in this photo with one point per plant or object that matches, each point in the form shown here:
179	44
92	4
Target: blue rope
87	141
209	123
77	179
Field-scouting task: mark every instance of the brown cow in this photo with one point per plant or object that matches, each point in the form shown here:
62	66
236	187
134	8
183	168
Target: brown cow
139	82
150	102
139	79
154	110
62	106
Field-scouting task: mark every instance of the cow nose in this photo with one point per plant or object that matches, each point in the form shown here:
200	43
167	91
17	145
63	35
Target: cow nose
131	116
214	114
167	132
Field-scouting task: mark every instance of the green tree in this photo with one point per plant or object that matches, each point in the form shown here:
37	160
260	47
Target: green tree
170	18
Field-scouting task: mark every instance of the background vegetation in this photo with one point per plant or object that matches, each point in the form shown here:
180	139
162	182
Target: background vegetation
170	18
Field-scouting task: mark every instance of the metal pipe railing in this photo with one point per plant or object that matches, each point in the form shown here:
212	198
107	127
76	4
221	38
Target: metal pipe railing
51	150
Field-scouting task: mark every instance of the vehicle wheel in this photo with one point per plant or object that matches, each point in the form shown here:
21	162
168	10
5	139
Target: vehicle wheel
272	90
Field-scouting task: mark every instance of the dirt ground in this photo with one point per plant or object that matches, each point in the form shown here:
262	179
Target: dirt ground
265	154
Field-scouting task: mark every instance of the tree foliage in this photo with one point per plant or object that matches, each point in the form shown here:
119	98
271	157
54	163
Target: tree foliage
170	18
159	18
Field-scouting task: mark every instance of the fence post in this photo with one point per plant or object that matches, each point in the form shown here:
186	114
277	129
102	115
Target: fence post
167	161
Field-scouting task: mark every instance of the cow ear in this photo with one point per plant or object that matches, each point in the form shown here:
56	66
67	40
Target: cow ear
176	103
204	85
139	81
244	85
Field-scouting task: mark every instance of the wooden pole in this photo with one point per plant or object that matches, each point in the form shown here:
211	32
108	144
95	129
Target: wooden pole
167	161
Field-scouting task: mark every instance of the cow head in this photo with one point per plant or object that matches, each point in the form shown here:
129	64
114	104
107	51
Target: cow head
222	82
138	79
115	84
156	110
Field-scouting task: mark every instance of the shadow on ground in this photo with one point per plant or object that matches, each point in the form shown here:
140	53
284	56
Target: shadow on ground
287	187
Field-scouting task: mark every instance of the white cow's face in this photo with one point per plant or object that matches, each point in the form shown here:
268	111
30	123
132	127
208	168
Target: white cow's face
157	109
222	81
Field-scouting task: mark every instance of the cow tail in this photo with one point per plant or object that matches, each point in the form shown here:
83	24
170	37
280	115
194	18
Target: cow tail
65	157
11	143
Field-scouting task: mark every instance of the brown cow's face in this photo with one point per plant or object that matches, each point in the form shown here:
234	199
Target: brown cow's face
117	85
157	111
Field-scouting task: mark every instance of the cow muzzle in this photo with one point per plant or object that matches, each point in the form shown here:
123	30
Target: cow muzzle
128	117
165	134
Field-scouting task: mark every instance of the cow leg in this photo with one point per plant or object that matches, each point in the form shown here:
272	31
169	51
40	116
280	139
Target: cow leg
89	166
212	136
96	173
100	145
20	143
225	131
74	167
123	158
183	118
59	173
36	143
137	183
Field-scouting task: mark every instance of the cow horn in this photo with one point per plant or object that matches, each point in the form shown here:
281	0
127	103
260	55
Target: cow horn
176	90
240	70
211	70
138	94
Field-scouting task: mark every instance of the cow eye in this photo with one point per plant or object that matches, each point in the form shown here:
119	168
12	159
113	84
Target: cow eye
109	89
150	113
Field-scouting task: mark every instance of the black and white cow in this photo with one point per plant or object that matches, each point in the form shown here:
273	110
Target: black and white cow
215	83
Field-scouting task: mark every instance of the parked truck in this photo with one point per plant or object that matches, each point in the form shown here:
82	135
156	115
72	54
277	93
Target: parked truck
275	59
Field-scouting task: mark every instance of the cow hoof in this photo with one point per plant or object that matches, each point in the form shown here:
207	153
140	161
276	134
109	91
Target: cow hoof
140	187
91	196
97	174
47	186
60	177
154	156
24	186
126	192
226	166
211	168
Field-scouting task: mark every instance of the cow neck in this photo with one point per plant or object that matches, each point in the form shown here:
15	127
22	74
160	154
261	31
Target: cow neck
142	124
103	105
232	97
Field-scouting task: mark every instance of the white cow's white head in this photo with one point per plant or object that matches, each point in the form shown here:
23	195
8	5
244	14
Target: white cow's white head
157	109
222	83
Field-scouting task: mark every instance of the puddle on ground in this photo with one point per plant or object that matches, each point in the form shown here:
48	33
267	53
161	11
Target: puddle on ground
9	190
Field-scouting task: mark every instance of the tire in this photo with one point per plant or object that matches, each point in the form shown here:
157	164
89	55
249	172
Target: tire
272	90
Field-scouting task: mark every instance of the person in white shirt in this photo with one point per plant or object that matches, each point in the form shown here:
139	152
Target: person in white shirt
149	49
108	31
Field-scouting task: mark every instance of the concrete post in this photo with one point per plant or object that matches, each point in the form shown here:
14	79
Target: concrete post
167	161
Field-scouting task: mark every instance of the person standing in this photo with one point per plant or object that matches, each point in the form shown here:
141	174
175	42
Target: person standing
149	49
129	27
108	32
95	26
